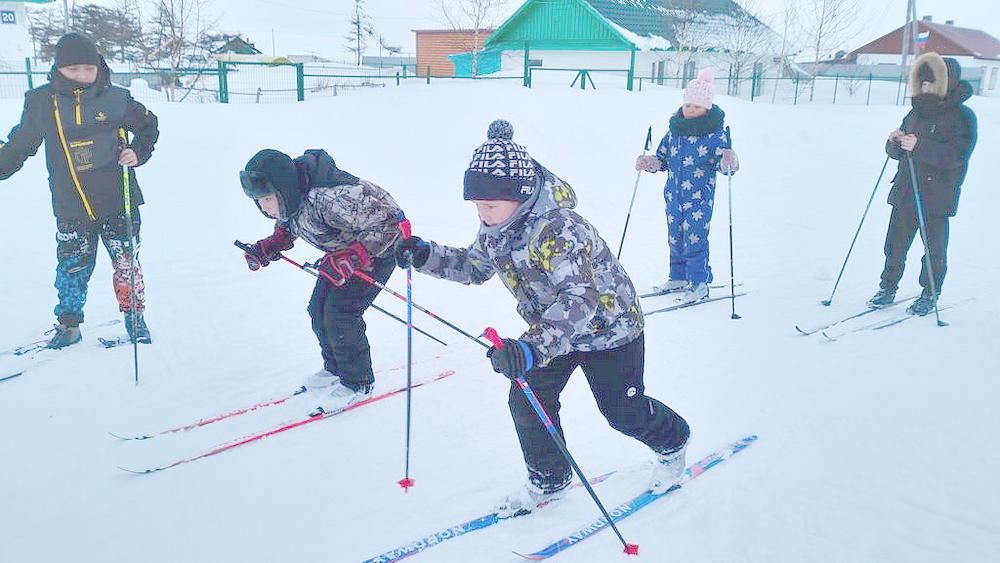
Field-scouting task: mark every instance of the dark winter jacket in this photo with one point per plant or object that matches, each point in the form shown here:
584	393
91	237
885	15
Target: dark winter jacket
946	133
80	125
570	288
692	151
338	208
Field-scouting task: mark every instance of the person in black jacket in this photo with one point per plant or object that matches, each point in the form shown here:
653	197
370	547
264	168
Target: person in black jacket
938	135
85	122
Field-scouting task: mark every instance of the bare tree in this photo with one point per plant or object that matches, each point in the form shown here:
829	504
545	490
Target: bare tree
480	17
360	31
173	37
46	27
789	22
685	20
826	26
746	42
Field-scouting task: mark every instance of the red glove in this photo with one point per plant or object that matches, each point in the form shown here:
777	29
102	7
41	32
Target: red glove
339	266
267	250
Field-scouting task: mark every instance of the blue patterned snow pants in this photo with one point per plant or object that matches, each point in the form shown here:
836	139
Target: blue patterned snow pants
689	216
76	252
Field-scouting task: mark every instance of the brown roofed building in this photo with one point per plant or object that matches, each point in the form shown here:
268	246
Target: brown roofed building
977	51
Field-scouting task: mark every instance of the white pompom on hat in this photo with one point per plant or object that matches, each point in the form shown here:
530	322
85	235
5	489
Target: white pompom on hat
701	90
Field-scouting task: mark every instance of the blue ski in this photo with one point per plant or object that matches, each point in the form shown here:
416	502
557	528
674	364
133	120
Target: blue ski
630	507
461	529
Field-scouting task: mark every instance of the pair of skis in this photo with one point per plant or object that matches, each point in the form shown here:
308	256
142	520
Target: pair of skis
621	511
843	326
676	305
260	435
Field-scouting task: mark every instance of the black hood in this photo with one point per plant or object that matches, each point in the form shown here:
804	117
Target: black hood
319	170
279	177
290	180
64	85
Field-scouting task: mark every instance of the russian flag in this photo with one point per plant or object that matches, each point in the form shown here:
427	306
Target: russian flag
922	40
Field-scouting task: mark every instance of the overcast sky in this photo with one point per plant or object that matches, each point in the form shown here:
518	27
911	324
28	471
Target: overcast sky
285	27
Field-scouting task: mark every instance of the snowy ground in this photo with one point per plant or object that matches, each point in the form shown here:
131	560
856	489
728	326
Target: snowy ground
878	447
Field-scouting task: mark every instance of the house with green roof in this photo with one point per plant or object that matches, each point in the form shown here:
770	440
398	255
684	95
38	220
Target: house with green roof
665	38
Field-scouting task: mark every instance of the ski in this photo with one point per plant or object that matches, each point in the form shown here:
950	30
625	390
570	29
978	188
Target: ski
473	525
11	376
32	348
821	328
216	418
257	436
677	306
630	507
117	341
679	290
242	410
886	323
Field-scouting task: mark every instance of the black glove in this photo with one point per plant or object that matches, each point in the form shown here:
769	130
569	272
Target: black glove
413	251
267	250
514	360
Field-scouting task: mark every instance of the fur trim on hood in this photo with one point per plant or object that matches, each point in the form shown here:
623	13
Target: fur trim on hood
942	81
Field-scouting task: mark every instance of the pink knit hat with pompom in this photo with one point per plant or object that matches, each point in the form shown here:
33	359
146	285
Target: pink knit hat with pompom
701	90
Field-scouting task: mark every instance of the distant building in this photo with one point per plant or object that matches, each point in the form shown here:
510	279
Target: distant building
237	46
671	38
393	61
435	46
977	51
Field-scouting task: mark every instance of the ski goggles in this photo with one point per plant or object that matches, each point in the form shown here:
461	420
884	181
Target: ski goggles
256	184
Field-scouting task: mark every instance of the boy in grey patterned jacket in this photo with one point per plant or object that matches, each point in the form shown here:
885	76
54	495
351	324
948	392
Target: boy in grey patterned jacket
580	306
357	224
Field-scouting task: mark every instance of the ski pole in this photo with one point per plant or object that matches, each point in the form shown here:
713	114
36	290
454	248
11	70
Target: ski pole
404	225
870	198
649	139
132	250
923	236
246	247
732	275
491	334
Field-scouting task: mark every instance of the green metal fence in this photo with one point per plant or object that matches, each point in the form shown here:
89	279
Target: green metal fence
258	83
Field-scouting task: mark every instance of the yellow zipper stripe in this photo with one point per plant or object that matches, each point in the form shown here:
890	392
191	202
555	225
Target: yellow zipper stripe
69	162
78	107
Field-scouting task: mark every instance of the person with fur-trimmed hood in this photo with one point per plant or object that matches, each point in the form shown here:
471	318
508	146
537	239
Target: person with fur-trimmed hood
938	135
84	120
580	306
356	223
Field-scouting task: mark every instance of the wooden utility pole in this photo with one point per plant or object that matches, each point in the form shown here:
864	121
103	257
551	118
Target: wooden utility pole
910	30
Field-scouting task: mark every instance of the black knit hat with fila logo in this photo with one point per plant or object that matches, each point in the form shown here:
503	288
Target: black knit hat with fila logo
500	168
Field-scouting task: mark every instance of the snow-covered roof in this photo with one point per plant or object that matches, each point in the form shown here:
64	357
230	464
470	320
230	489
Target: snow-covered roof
688	24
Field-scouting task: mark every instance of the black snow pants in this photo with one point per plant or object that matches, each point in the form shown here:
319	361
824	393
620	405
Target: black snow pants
903	228
615	379
339	325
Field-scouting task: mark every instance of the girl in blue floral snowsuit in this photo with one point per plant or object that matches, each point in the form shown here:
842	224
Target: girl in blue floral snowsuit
695	147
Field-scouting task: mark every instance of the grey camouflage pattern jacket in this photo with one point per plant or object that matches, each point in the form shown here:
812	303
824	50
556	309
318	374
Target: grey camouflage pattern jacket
570	288
333	217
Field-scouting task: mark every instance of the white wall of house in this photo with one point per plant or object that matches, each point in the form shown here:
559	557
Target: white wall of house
15	39
986	70
512	62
